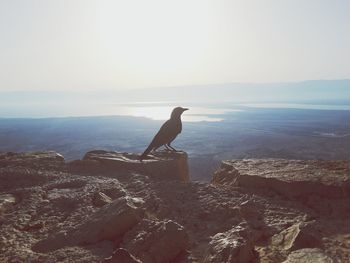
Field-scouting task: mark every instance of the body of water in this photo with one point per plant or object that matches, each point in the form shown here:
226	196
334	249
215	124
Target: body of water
154	110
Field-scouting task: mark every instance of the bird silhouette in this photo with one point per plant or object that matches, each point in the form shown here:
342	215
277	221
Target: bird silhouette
167	133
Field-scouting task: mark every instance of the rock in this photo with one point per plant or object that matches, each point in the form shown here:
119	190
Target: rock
308	255
292	178
156	241
160	165
108	223
30	159
250	212
60	216
6	201
121	255
301	235
100	199
114	191
232	246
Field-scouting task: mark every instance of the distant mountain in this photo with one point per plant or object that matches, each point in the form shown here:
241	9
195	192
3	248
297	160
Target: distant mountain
312	90
320	91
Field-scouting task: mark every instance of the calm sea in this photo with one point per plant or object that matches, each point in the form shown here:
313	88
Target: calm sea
154	110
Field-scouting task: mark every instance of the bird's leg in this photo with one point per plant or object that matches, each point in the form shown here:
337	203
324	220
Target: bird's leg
167	147
154	150
172	148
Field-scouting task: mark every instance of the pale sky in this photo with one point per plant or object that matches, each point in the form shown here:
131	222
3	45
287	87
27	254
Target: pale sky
86	44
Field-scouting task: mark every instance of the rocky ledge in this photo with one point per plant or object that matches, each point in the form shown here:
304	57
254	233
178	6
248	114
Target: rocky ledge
160	165
293	178
110	207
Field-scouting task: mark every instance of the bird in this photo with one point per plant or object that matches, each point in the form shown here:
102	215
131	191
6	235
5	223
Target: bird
167	133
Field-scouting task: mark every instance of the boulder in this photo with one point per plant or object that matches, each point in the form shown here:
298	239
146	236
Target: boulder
160	165
232	246
309	255
156	241
121	255
292	178
108	223
297	236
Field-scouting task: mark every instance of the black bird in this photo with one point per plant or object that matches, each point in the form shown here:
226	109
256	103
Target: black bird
167	133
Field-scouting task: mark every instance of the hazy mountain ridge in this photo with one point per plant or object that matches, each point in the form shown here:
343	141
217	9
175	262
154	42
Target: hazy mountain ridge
306	91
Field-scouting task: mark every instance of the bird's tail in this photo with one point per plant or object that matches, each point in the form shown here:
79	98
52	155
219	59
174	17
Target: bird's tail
147	151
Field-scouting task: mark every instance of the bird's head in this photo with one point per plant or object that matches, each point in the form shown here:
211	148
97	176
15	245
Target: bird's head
176	113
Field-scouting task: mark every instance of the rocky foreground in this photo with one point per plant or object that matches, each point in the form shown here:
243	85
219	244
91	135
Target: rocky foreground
109	207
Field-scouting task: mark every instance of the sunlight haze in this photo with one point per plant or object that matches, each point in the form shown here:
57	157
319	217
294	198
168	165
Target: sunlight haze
78	45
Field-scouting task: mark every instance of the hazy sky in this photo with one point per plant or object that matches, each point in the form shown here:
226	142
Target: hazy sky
69	44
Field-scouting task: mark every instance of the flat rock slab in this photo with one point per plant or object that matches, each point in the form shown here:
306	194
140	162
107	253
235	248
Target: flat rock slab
288	177
161	165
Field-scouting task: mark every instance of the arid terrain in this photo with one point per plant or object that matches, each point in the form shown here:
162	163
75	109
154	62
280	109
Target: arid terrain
109	207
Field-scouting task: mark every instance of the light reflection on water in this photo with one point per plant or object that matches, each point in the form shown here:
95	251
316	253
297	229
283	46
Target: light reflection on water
155	110
159	111
194	114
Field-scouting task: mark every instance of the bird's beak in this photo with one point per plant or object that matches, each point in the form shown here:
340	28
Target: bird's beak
184	109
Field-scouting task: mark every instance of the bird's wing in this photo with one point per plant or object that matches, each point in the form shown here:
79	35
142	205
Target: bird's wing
159	139
164	133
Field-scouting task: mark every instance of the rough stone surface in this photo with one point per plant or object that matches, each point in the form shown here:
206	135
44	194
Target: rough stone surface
232	246
66	215
300	235
160	165
101	199
108	223
31	159
309	255
292	178
156	241
7	201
